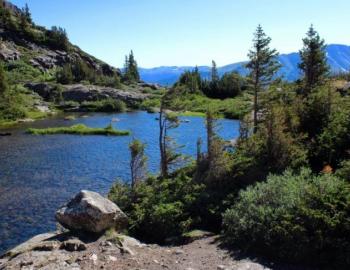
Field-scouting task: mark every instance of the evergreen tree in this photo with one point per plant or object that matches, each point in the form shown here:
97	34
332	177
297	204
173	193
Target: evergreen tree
214	72
27	14
263	66
131	73
313	60
213	86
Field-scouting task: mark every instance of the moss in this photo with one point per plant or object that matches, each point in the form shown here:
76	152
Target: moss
79	129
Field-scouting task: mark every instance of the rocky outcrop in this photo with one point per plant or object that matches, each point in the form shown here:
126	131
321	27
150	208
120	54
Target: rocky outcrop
90	212
80	93
153	86
8	52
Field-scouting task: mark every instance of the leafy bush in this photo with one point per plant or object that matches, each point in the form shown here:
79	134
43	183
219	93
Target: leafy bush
299	218
106	105
19	71
344	170
159	208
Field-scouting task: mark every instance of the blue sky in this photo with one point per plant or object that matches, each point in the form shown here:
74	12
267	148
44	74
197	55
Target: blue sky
189	32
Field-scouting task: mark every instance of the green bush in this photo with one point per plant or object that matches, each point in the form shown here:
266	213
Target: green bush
159	208
297	218
20	71
344	170
106	105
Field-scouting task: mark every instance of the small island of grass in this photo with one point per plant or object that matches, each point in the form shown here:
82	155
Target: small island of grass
79	129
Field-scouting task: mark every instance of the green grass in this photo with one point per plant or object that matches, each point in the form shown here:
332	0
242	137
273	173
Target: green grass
38	115
7	123
189	113
197	105
233	108
79	129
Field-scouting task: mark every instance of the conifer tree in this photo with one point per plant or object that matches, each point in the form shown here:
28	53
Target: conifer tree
313	60
263	66
27	14
214	72
213	86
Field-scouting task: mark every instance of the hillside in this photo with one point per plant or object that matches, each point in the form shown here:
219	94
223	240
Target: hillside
338	57
44	72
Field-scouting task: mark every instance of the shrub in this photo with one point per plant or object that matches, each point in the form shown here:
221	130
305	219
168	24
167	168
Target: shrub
298	218
20	71
159	208
106	105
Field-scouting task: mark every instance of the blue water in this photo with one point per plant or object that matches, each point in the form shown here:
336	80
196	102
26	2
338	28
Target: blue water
40	173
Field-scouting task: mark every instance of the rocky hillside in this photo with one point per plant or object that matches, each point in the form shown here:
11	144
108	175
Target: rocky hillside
41	48
44	69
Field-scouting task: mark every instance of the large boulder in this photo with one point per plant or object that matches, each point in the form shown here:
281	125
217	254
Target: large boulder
90	212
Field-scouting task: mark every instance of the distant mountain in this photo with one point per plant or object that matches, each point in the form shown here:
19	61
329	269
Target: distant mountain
338	57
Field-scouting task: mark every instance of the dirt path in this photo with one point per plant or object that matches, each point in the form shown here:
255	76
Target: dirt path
52	252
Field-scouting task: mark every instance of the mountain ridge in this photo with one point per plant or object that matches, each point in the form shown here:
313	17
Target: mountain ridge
338	57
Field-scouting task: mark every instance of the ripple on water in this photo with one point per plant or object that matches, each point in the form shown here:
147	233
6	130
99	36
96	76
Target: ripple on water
39	173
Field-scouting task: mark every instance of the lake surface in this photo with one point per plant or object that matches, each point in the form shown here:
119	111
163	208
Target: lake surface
40	173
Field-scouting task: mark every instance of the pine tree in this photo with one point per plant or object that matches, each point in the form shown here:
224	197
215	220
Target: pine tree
213	86
313	60
263	66
214	72
27	14
131	73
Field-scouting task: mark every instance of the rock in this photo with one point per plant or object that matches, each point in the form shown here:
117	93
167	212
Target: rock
94	258
29	245
153	86
130	242
127	250
111	258
90	212
179	252
47	246
221	267
247	265
80	93
44	90
8	52
73	245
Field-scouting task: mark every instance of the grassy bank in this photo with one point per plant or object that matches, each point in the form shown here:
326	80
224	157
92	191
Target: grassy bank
79	129
197	105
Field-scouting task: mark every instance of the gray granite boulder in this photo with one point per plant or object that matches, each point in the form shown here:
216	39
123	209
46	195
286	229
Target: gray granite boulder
90	212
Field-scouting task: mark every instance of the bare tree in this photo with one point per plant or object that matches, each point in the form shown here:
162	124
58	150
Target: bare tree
138	162
167	146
